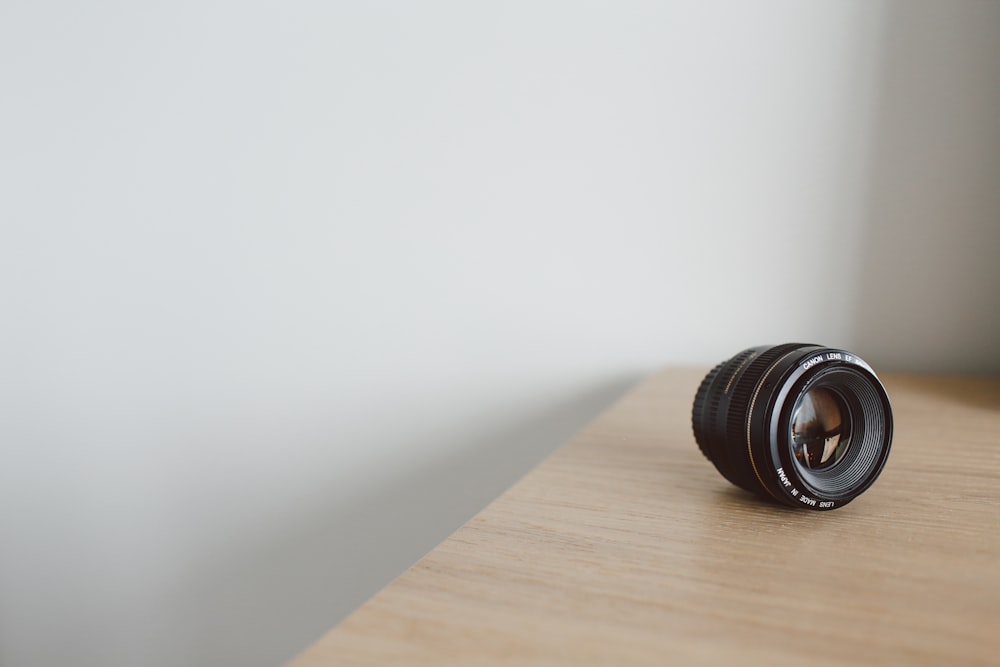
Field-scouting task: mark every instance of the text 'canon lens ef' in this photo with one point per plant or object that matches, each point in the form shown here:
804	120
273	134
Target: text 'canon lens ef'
804	425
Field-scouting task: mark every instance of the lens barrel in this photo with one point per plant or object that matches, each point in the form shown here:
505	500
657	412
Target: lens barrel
800	424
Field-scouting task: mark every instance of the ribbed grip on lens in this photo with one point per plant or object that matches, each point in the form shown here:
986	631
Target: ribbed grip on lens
700	418
711	407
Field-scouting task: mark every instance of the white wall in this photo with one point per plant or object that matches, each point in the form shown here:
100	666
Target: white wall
292	289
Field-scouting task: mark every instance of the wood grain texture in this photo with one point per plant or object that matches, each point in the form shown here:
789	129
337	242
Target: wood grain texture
627	547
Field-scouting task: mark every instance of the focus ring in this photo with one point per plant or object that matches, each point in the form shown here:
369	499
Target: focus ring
700	418
711	408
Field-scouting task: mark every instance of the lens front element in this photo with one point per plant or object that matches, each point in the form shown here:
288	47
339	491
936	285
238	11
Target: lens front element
820	429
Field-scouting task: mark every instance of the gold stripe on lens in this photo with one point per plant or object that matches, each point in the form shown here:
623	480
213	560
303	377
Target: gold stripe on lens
753	401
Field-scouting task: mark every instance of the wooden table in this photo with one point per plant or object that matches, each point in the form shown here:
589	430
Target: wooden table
626	547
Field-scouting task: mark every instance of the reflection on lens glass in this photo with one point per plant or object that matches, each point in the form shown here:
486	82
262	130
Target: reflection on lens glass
819	429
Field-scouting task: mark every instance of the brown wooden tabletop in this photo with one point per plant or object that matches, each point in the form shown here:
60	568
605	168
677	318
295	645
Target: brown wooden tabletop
627	547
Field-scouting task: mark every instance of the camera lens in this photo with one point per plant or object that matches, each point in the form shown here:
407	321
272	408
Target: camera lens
803	425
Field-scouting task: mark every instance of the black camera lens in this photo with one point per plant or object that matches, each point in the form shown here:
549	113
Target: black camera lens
804	425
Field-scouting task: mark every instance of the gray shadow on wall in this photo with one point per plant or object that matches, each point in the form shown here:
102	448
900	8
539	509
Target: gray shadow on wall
268	600
929	288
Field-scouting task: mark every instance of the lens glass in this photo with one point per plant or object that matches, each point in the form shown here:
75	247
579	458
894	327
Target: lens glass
820	429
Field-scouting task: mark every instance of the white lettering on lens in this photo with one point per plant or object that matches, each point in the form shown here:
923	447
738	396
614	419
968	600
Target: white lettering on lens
784	479
826	503
807	500
812	362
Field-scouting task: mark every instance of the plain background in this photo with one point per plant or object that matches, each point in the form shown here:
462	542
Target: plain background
292	289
